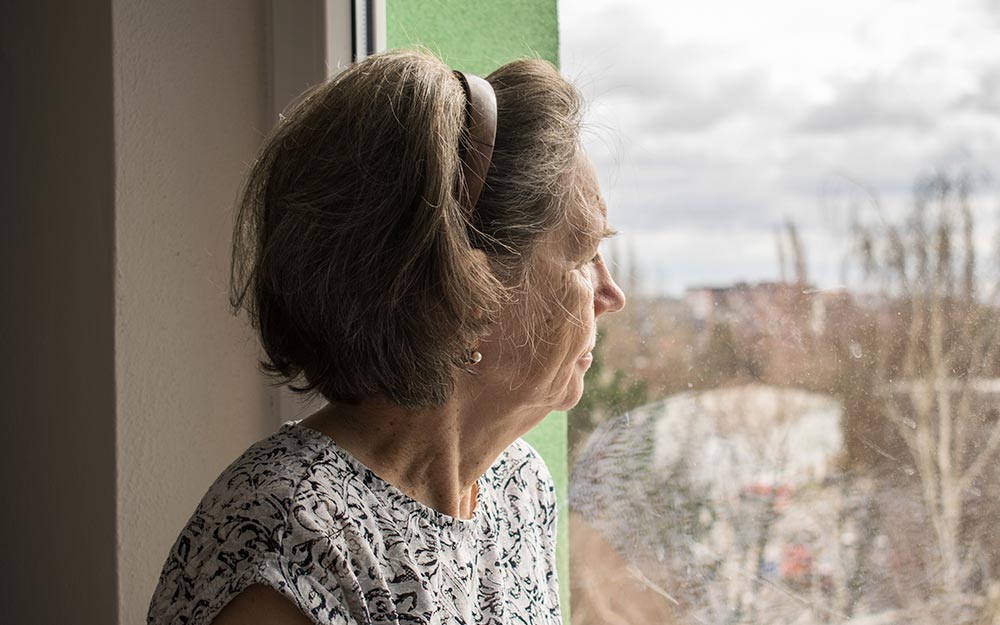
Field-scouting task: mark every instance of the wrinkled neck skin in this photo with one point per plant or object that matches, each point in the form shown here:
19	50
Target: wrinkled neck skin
434	455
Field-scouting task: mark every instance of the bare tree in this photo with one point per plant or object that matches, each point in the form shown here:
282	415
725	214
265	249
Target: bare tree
938	343
798	253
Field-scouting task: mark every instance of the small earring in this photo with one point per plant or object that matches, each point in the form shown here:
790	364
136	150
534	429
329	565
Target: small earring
472	357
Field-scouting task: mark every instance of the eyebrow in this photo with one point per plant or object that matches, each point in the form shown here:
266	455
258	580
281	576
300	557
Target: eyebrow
589	240
604	231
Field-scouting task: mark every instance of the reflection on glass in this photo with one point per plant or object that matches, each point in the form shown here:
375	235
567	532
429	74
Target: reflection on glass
796	420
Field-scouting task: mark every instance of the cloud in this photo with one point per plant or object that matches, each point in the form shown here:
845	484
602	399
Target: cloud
697	109
986	98
992	10
871	103
649	76
706	132
669	261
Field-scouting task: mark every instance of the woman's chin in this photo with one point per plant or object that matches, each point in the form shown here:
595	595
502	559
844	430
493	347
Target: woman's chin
573	393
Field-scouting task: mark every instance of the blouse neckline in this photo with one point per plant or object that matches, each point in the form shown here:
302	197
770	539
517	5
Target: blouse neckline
393	493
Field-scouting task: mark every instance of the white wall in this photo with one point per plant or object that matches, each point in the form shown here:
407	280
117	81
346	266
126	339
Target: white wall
127	385
191	104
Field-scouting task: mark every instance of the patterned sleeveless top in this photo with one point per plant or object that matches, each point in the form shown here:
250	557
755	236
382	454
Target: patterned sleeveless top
299	514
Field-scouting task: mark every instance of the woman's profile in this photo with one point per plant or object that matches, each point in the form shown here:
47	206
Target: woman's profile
442	297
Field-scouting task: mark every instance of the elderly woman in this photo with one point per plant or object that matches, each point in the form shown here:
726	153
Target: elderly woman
419	247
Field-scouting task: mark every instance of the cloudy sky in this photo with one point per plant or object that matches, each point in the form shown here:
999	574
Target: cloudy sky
712	122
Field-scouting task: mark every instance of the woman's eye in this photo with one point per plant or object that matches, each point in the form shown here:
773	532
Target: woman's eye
589	261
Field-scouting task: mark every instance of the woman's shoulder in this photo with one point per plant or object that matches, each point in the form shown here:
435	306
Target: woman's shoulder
241	530
265	478
265	485
521	457
524	479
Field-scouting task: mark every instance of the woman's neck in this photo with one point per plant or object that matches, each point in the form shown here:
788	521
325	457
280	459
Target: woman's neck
434	455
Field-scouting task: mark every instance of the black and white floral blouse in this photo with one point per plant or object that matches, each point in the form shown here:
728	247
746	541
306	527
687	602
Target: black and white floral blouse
299	514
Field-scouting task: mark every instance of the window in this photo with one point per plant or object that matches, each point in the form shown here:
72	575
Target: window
795	419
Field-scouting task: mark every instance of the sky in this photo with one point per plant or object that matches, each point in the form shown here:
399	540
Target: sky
711	123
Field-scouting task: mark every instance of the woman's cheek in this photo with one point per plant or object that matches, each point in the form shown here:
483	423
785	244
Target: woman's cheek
587	281
579	294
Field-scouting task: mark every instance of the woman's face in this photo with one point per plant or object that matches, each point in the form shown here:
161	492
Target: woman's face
570	287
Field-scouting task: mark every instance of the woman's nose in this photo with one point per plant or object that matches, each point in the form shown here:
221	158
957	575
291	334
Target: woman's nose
608	297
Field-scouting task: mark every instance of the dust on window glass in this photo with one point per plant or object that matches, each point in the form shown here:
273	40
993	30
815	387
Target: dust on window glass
796	419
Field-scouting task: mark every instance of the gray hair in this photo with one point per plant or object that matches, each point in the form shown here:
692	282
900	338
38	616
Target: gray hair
352	254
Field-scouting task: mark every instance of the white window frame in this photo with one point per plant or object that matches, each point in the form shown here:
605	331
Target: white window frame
312	40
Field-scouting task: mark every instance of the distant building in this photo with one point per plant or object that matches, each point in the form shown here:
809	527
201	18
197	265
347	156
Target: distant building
771	308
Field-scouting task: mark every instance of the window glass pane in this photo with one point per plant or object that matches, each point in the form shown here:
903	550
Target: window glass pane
796	418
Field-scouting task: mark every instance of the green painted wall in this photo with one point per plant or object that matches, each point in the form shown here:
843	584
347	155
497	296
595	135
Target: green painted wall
549	438
477	36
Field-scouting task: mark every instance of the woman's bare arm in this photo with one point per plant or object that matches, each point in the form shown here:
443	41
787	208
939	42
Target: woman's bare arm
261	605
